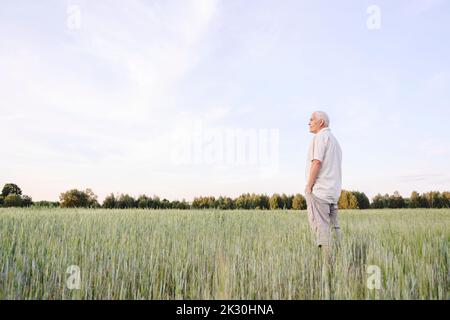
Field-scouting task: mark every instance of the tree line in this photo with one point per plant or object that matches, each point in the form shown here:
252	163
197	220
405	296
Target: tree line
12	196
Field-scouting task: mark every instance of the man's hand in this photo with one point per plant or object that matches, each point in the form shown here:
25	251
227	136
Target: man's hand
315	168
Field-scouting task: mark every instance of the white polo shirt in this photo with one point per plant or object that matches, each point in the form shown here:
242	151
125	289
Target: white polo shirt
325	147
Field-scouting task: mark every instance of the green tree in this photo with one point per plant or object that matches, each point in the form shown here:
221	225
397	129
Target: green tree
211	202
230	204
92	199
180	205
78	199
434	199
110	202
286	202
204	203
347	200
446	199
74	199
126	201
264	202
243	201
143	202
415	201
255	200
275	202
156	203
27	201
11	188
166	204
362	200
45	204
299	202
396	201
196	203
185	205
225	203
1	201
380	201
12	200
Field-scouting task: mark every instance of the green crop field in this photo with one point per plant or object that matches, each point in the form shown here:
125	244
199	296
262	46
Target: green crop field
144	254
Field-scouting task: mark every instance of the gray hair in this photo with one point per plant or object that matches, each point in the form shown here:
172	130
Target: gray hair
322	116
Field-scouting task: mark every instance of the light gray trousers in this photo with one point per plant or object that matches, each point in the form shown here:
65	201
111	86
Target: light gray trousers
322	217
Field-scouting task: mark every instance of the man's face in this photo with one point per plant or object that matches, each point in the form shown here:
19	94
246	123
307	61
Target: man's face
315	124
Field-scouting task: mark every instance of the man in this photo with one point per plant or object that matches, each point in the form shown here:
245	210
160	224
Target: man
324	179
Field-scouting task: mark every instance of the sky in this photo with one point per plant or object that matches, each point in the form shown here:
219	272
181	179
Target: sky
213	97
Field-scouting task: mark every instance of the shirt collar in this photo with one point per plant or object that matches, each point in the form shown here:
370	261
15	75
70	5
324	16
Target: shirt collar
323	130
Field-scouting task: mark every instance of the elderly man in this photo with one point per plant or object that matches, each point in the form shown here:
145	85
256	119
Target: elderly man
324	179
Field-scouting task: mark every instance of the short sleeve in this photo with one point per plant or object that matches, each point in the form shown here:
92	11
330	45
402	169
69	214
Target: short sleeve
319	147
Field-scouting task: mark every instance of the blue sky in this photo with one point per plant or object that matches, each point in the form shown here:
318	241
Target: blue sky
103	95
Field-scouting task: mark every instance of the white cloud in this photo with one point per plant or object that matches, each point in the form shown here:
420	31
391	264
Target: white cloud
416	7
101	97
438	147
97	106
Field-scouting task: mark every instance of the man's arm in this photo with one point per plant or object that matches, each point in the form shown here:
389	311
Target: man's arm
315	168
